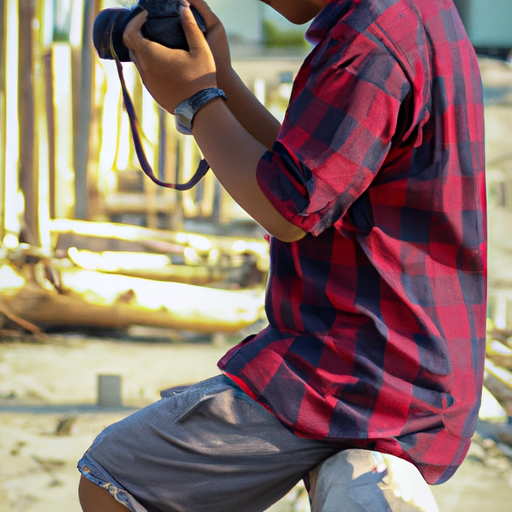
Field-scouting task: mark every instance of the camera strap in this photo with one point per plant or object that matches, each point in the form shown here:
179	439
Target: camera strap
203	167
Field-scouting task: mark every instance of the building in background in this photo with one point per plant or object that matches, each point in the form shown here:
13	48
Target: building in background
488	23
242	19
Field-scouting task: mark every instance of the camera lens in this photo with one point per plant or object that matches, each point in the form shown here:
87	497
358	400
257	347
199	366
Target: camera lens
162	25
112	21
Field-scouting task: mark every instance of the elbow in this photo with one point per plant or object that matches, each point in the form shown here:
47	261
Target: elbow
277	225
288	234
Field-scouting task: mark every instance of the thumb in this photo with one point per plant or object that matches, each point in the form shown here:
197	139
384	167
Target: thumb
132	35
195	38
205	12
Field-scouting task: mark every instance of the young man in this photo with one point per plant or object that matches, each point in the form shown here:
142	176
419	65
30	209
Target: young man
373	191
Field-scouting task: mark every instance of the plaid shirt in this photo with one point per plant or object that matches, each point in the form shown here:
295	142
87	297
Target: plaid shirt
376	333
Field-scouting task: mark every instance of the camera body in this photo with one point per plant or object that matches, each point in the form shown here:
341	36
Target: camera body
162	26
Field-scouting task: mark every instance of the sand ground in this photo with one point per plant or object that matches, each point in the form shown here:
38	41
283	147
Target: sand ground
49	416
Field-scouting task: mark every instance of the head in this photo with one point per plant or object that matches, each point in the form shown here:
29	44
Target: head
297	11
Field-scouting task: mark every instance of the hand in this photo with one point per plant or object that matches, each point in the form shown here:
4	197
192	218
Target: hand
171	76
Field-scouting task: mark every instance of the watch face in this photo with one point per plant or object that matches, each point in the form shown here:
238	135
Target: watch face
183	124
186	110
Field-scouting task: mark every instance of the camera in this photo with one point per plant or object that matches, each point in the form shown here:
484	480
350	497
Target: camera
161	26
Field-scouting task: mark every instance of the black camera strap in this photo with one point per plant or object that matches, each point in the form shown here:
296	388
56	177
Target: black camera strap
203	167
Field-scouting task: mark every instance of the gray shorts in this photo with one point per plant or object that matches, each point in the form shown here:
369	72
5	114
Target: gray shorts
210	448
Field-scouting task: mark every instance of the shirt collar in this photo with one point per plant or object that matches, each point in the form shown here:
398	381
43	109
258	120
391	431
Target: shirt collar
325	20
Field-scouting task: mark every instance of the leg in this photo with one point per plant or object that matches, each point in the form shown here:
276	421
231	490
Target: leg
210	448
364	481
95	499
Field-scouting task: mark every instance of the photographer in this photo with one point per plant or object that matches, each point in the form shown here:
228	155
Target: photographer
373	191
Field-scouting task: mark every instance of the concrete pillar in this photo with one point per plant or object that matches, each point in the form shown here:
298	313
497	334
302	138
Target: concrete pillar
109	391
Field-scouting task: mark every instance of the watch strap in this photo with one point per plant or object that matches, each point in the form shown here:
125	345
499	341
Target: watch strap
186	110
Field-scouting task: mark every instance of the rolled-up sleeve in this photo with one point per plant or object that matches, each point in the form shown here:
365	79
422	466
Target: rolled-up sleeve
336	134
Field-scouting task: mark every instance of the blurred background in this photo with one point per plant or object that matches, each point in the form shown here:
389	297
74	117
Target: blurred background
112	288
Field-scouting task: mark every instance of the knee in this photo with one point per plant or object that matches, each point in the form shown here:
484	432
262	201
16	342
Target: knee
361	480
404	484
348	481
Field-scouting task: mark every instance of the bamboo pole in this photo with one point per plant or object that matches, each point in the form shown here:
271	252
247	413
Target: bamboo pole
168	148
83	112
28	171
12	143
3	126
50	122
41	126
64	136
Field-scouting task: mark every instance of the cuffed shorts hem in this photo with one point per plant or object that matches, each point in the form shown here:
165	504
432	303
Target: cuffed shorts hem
91	470
210	448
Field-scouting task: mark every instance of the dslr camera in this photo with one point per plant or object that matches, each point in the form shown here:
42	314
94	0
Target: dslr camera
162	26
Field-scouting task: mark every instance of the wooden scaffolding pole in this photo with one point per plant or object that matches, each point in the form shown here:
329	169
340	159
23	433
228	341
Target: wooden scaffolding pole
3	127
83	80
28	170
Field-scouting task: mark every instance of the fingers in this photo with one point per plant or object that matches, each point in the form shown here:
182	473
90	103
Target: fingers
195	37
205	12
132	36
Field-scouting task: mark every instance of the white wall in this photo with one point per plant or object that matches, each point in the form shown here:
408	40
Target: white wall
241	18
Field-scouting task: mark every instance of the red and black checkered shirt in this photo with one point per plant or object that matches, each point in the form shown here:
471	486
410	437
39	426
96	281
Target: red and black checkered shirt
376	334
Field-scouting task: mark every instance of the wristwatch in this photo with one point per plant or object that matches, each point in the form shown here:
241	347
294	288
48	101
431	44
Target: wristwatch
186	110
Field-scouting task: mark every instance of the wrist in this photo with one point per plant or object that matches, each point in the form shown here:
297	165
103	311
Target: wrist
187	110
228	81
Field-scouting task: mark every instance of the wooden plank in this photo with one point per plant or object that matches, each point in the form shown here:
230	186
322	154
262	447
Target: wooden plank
96	299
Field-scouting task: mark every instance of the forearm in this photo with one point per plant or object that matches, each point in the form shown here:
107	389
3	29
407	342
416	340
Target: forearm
233	154
248	110
233	148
